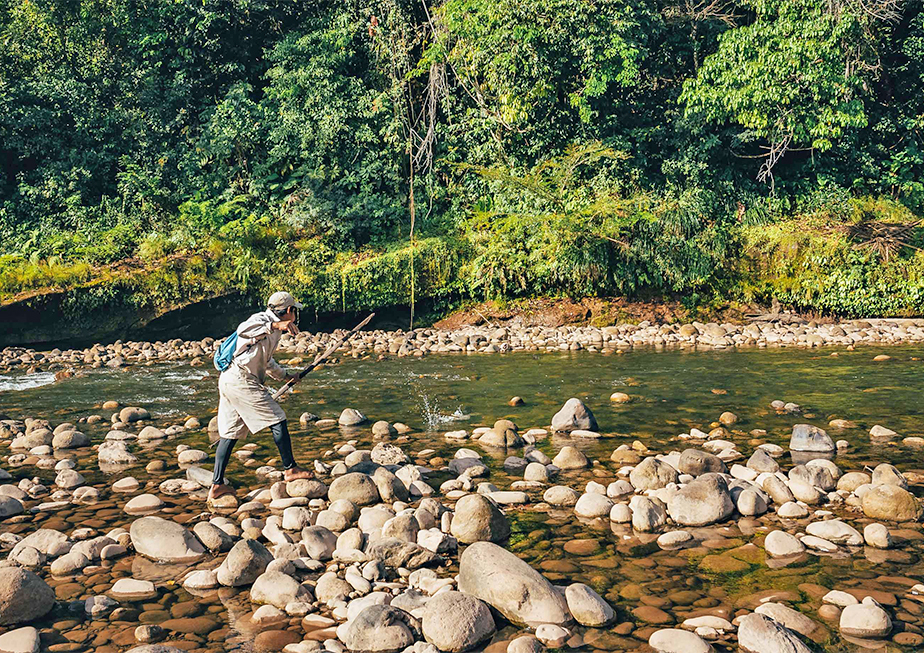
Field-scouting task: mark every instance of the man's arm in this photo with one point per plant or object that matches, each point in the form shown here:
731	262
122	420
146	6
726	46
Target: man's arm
276	371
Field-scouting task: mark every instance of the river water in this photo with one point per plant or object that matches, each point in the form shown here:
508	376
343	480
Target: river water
671	392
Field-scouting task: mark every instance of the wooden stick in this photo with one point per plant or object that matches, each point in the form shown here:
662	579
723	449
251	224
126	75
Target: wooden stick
321	358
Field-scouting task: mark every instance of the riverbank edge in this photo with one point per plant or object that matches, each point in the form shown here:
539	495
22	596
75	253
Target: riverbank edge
787	331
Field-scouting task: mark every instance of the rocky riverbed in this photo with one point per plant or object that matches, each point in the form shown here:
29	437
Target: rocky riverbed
792	332
501	536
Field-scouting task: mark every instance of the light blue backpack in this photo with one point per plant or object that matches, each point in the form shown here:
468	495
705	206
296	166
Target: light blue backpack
225	353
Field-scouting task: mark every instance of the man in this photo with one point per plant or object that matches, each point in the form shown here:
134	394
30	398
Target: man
244	403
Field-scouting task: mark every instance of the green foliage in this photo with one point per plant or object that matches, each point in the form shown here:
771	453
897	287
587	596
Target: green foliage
160	150
791	75
523	58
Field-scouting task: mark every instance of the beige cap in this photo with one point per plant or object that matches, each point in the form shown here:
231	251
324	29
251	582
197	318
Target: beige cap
282	300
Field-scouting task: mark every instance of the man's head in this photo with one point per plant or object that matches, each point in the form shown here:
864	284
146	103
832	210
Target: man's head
282	303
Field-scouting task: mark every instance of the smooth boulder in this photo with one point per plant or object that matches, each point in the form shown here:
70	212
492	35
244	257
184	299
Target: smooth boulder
806	437
163	540
23	596
890	503
574	415
453	622
703	501
357	488
477	519
509	585
381	629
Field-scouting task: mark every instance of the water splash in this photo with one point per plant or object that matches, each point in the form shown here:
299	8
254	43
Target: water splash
433	417
10	383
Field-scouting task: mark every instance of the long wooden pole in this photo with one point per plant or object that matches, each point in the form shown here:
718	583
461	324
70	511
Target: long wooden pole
321	358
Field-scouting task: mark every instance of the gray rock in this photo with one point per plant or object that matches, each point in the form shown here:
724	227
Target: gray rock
245	562
890	503
115	453
696	462
852	480
877	536
10	506
570	458
758	633
23	596
751	503
574	415
834	530
477	519
453	622
396	553
792	619
648	514
512	587
310	489
780	544
886	474
778	490
351	417
163	540
675	640
705	500
381	629
865	620
525	644
806	437
214	539
155	648
402	527
761	461
133	414
330	588
390	487
652	474
592	505
320	542
587	607
278	589
70	440
359	489
818	477
560	496
21	640
385	453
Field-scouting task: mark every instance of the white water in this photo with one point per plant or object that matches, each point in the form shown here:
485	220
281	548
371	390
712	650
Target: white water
16	383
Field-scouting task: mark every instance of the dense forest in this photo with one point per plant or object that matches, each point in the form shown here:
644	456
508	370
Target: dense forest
385	152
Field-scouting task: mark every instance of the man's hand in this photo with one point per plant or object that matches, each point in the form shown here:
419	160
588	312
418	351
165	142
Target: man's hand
287	326
292	378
